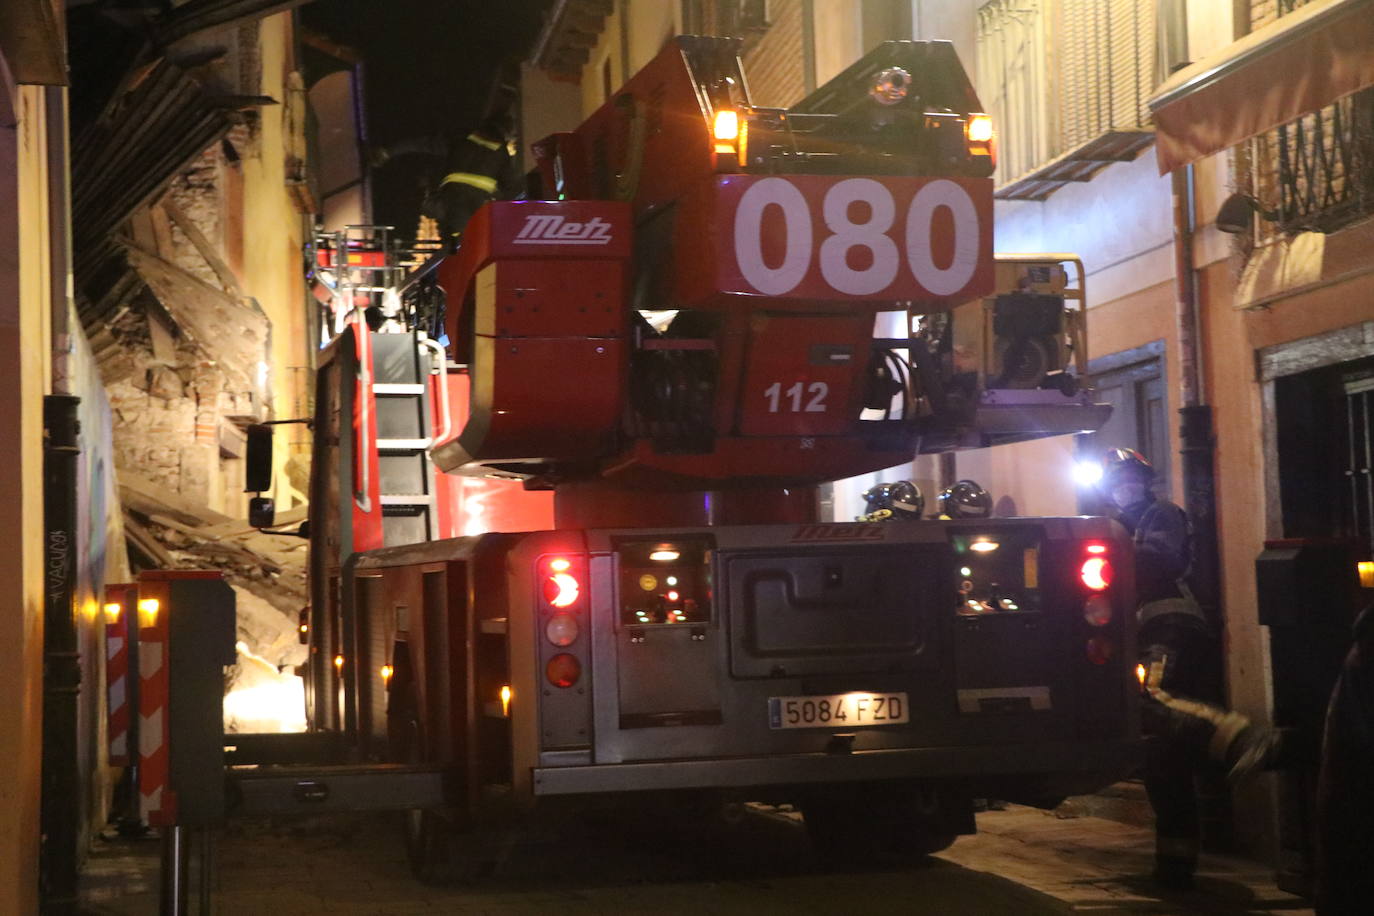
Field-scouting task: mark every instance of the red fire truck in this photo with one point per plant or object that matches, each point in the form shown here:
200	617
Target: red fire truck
576	554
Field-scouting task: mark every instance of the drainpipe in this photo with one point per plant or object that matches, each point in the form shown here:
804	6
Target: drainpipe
1196	439
1196	451
61	807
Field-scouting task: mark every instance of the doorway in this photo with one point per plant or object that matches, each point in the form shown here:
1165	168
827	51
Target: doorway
1132	381
1324	435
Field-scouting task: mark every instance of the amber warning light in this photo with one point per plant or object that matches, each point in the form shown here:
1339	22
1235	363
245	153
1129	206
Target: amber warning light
981	141
979	128
147	612
727	124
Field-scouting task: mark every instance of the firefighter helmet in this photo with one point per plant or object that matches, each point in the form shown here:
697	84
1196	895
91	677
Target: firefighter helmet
965	499
903	499
1119	462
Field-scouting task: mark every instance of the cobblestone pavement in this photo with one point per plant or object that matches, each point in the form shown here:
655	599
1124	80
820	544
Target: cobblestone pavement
1023	862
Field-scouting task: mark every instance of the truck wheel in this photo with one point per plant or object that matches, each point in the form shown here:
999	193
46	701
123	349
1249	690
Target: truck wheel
875	824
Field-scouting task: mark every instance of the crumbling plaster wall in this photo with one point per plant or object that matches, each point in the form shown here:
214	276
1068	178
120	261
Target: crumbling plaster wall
217	340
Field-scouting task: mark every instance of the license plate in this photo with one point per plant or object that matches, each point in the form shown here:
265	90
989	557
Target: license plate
841	710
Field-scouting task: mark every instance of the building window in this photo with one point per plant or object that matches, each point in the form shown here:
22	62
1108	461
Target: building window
1067	82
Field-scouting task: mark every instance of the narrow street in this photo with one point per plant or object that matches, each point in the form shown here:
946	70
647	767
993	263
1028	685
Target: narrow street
1022	861
423	417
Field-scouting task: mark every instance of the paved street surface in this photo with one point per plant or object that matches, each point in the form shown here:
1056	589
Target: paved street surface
1022	862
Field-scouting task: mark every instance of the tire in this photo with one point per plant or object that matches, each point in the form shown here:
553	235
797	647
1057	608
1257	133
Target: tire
877	823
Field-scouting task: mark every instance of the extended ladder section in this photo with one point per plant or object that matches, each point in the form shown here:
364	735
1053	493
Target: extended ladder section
401	366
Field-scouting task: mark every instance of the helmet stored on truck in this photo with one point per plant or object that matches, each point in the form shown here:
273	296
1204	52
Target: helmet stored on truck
965	499
902	499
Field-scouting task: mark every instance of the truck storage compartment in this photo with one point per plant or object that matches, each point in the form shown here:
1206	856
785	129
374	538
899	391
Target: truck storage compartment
833	610
667	633
1019	633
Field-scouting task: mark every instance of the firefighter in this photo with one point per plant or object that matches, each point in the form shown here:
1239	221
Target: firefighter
901	500
1345	793
478	167
965	499
1184	726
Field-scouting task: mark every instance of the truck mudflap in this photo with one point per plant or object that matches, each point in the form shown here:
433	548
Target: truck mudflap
1055	768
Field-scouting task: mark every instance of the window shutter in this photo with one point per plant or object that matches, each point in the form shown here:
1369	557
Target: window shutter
1012	83
1108	67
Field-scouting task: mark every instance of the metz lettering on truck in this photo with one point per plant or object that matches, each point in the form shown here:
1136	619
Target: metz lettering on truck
549	228
860	531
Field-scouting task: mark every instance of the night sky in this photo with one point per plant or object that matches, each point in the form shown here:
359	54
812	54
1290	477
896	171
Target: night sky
429	69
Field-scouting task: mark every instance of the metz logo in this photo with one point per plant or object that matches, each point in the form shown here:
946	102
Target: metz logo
548	228
862	531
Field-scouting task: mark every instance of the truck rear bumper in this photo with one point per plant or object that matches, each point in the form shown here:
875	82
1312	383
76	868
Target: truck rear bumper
1061	767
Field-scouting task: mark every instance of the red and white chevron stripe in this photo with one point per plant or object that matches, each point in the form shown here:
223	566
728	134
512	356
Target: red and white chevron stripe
119	606
157	802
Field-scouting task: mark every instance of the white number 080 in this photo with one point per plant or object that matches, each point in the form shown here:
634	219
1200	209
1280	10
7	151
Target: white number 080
845	235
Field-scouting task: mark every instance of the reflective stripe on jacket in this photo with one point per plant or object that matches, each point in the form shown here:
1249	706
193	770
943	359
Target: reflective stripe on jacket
483	183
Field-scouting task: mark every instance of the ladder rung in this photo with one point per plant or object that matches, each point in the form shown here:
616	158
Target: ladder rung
402	445
398	388
407	499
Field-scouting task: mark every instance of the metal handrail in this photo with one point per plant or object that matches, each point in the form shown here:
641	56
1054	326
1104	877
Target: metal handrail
441	370
363	497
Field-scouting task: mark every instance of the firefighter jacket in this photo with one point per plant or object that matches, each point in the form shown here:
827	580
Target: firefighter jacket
1163	547
483	163
1163	554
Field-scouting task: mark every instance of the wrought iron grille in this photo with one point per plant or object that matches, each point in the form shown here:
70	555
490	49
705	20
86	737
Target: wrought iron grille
1326	165
1316	173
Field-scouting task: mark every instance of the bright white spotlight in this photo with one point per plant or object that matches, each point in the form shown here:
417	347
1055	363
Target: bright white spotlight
1087	473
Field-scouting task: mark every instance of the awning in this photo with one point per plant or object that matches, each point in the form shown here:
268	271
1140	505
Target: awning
1309	58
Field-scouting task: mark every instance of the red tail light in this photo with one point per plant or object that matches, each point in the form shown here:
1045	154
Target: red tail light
561	589
563	670
1096	573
